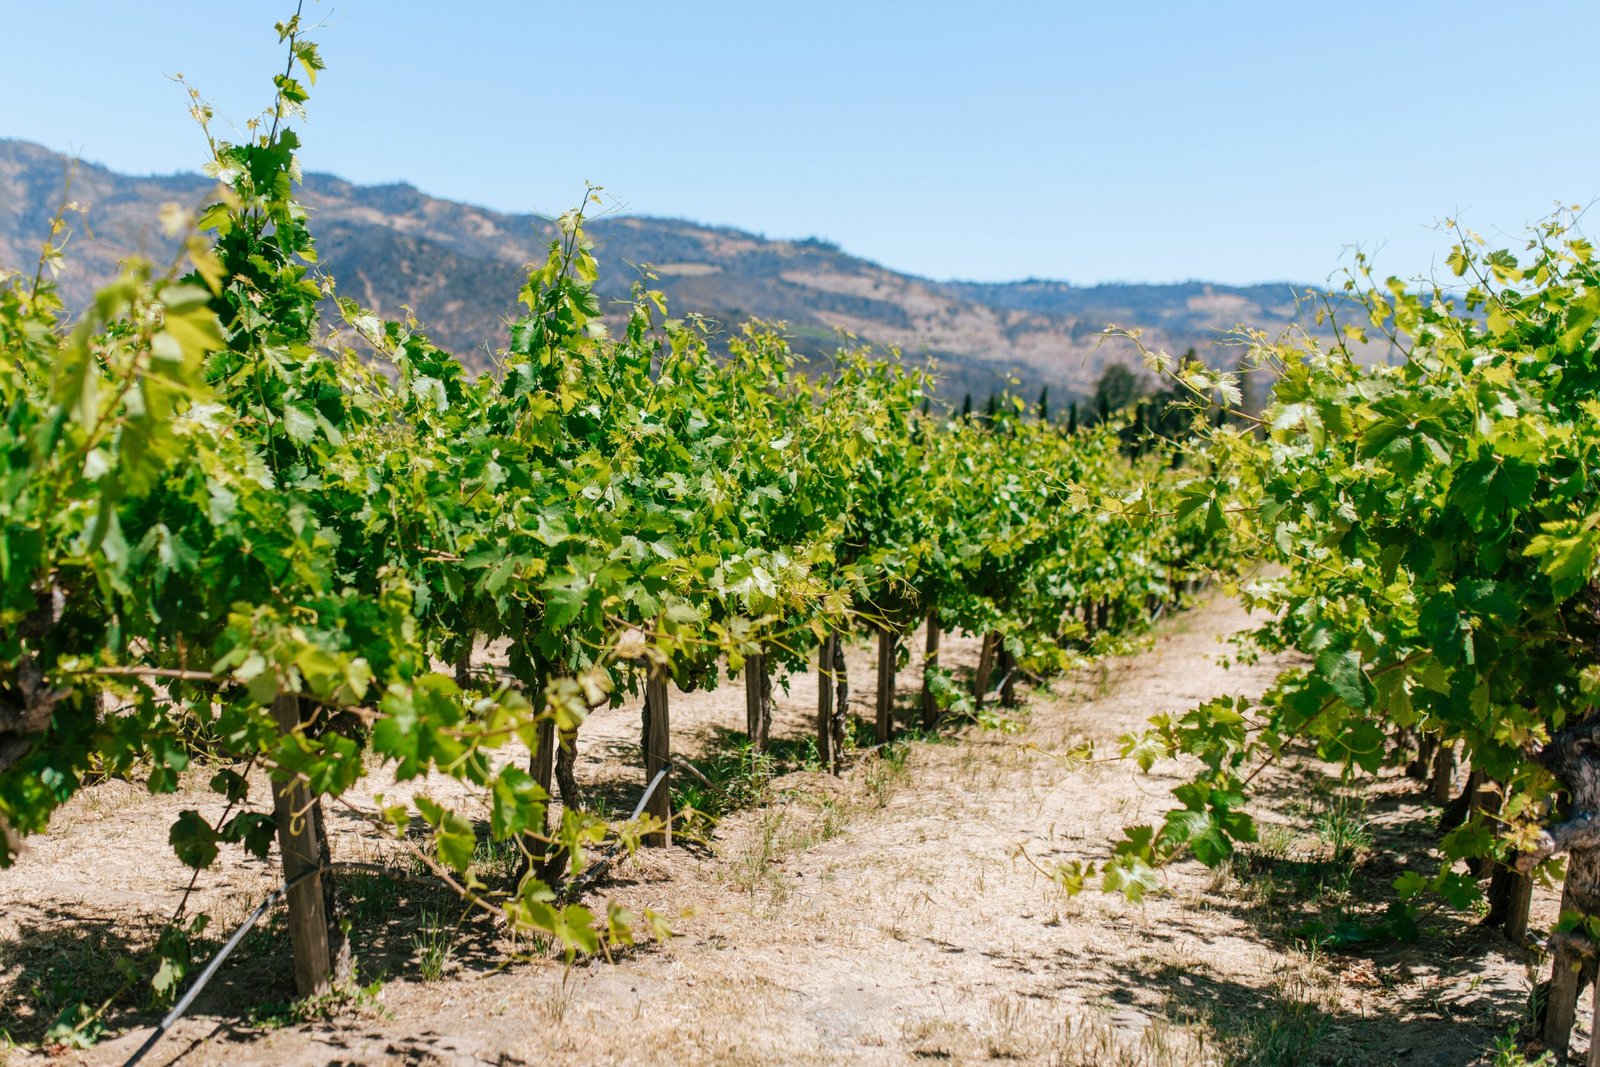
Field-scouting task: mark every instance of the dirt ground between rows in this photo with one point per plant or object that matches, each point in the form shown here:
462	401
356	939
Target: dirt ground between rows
891	916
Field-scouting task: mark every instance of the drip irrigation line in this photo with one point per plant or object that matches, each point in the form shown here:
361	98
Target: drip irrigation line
685	765
187	1000
599	866
596	869
180	1008
1004	678
576	886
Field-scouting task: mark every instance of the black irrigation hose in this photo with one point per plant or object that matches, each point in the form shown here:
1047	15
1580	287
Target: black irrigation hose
276	895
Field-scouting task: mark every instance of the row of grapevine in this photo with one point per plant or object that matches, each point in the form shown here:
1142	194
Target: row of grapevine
1435	529
229	533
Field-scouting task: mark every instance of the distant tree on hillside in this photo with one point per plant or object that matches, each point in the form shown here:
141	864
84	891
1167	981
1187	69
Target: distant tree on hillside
1133	438
1117	388
966	406
1044	403
1250	389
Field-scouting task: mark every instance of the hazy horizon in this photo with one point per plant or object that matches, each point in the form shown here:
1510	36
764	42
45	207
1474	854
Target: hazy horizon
1074	283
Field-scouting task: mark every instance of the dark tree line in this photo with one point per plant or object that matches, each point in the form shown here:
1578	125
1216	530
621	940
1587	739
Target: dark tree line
1152	410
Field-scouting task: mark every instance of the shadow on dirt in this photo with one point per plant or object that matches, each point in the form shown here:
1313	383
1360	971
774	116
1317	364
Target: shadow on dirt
1321	879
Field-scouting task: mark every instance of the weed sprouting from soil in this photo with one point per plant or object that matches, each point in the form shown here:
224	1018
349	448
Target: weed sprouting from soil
432	942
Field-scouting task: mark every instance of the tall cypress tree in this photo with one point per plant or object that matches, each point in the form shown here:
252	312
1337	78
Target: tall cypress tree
966	406
1044	403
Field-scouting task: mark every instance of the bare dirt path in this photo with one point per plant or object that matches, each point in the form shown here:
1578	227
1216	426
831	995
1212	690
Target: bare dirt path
891	917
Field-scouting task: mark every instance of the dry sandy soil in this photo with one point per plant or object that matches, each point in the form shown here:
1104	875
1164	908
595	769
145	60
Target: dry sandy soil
894	915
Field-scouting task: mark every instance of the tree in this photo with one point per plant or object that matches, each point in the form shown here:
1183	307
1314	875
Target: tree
1044	404
1117	388
1250	400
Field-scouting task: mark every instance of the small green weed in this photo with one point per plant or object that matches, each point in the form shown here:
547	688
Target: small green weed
739	777
1507	1053
886	772
432	941
347	997
1342	828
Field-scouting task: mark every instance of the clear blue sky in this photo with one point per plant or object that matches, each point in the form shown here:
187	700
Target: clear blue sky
1237	142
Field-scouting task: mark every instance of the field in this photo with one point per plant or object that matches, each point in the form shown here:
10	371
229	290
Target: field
886	917
1247	715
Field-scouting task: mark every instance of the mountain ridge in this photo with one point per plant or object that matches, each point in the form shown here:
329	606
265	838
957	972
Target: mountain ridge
459	267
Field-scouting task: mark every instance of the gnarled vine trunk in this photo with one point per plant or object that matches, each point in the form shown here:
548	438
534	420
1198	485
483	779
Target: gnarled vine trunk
566	769
26	701
980	680
1008	678
1573	756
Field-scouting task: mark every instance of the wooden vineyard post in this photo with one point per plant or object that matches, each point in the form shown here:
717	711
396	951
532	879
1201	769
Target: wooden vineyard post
299	841
1444	772
1422	766
980	678
1459	810
657	750
544	760
1594	1043
757	701
1561	1000
839	708
1516	926
888	649
1510	896
542	856
930	662
827	751
1401	742
841	692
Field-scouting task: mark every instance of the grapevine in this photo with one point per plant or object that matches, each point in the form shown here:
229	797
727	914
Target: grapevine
251	523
